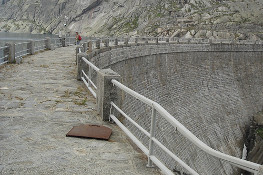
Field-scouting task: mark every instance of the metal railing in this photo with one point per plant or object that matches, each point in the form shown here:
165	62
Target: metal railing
56	42
156	108
3	57
243	164
87	79
70	41
40	45
21	49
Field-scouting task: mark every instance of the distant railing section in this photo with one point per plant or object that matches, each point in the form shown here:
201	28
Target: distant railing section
21	49
14	52
40	45
3	55
56	42
70	41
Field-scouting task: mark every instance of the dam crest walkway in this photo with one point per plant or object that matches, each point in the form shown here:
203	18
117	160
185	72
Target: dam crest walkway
41	100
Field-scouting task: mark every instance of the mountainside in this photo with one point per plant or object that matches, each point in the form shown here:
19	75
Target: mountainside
235	19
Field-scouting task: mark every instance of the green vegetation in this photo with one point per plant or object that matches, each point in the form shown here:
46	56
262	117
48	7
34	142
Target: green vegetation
131	25
82	102
259	132
6	27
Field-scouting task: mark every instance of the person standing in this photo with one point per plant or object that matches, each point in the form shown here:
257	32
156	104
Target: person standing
78	38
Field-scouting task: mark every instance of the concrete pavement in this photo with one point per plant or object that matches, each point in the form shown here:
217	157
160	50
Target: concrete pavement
41	100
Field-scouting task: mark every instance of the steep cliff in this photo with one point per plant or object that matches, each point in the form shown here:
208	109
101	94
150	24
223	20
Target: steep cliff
190	18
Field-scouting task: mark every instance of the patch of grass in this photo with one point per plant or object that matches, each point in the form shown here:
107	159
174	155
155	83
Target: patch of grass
82	102
259	132
44	66
67	94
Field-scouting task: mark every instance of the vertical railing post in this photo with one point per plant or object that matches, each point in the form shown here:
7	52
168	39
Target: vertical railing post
126	41
85	47
63	41
31	47
98	44
146	41
152	134
77	52
116	42
106	43
81	64
106	92
90	46
156	40
48	43
136	40
11	52
167	40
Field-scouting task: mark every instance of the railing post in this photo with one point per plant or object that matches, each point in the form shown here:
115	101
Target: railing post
90	46
77	52
136	40
106	92
80	64
106	43
85	47
156	40
31	47
152	134
126	41
167	40
116	42
11	52
260	172
48	43
98	44
146	41
63	41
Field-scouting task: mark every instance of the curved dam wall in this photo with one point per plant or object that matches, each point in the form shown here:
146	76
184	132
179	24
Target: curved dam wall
212	89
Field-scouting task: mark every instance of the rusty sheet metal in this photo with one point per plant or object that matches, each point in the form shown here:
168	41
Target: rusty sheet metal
90	131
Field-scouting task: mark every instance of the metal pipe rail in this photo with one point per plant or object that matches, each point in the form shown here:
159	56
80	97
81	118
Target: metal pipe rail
243	164
155	141
57	42
70	41
40	45
3	59
86	77
23	52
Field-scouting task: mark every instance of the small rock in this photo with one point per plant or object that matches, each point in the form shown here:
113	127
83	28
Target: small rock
259	118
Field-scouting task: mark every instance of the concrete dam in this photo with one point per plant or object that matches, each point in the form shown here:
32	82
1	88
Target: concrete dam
213	89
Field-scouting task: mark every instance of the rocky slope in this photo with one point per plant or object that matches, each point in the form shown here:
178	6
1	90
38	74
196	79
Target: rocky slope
236	19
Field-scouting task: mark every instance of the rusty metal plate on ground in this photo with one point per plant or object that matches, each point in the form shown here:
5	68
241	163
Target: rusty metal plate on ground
90	131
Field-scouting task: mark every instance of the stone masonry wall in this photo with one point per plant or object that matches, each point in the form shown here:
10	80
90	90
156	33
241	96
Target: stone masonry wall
213	90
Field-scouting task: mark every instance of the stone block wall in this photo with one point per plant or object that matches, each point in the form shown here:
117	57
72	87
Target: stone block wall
213	90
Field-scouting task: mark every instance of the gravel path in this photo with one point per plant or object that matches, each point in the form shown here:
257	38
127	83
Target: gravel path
41	100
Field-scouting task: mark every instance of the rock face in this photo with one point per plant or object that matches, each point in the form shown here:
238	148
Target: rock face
205	18
254	140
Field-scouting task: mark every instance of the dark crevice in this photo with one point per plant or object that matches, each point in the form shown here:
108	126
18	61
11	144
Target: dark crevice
90	7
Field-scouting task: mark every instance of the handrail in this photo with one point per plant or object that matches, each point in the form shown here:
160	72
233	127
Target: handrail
90	64
3	58
88	77
155	141
249	166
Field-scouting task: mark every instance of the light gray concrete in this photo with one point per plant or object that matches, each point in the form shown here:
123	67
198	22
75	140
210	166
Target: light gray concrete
106	92
41	100
212	89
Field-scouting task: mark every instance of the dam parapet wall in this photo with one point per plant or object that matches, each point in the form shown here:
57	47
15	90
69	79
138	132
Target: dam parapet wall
213	89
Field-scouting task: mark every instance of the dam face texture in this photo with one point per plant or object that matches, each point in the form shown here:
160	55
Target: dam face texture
213	90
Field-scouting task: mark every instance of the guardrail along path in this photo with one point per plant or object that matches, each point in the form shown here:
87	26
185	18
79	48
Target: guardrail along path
41	100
